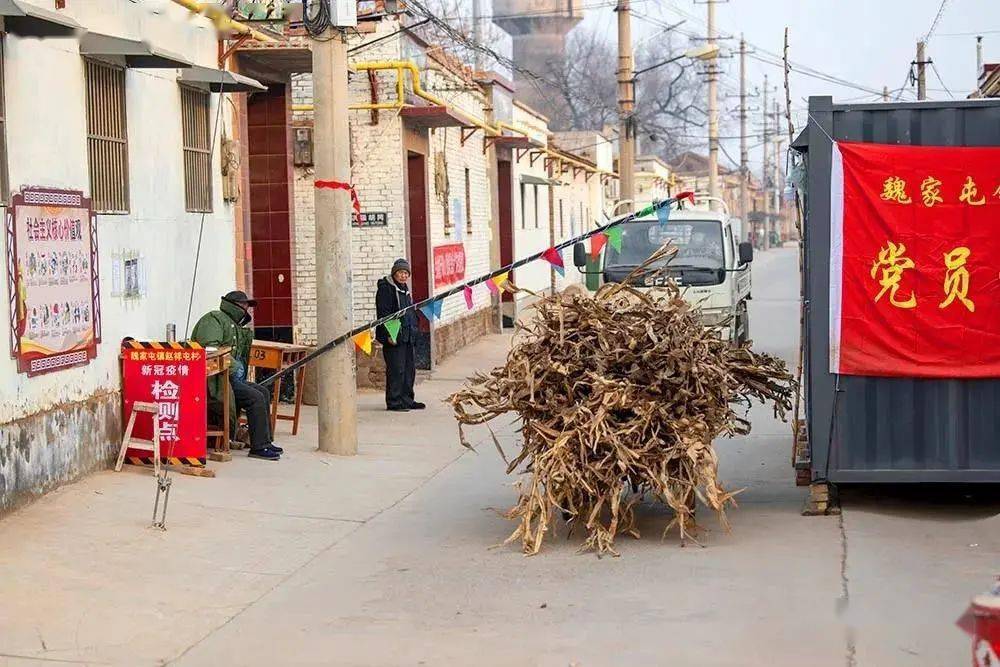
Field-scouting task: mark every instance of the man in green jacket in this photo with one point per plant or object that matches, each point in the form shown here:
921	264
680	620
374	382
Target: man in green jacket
224	327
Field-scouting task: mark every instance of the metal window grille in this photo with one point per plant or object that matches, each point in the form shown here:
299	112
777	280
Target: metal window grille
197	150
468	201
107	137
4	183
524	217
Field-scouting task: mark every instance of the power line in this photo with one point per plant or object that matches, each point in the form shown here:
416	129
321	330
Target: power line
938	75
937	18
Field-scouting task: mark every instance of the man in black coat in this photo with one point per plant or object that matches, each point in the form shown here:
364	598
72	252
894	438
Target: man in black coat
393	295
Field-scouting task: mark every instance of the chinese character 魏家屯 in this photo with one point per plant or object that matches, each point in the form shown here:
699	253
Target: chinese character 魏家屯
894	189
892	261
956	279
969	192
930	191
165	391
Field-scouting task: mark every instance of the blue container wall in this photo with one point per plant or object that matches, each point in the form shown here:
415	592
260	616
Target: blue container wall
890	429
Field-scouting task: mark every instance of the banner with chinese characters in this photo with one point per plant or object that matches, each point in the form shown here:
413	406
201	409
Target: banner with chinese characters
915	261
171	375
55	315
449	264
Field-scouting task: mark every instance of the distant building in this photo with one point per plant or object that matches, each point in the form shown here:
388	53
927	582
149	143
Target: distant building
989	81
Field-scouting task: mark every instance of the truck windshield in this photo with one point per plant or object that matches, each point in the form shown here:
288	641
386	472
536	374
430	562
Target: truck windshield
698	242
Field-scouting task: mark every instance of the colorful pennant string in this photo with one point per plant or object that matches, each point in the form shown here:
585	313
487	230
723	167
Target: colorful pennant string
432	310
615	238
364	341
392	327
496	282
597	242
553	257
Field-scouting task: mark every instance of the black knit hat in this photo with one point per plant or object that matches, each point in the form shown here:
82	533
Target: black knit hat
400	265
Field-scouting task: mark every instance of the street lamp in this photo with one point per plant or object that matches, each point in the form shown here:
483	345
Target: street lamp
703	52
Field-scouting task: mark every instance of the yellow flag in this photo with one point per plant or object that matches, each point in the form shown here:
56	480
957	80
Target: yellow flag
364	341
500	280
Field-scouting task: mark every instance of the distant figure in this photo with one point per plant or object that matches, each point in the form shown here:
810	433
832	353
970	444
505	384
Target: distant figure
393	295
227	326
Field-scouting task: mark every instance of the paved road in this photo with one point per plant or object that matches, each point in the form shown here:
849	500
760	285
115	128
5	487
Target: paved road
385	559
418	585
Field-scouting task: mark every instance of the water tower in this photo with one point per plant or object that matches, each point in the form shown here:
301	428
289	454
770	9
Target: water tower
538	29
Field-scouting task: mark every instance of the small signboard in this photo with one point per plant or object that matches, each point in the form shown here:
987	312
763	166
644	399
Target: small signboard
52	278
449	264
371	219
171	375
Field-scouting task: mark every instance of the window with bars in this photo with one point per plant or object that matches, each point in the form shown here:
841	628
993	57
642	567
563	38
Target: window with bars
107	137
4	183
468	201
197	150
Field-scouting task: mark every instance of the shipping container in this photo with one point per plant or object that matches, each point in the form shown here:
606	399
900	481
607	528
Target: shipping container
879	429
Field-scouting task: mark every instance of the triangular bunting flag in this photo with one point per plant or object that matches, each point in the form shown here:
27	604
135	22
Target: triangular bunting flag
685	195
431	310
615	238
437	308
501	279
364	341
597	242
392	327
492	287
663	214
553	257
468	297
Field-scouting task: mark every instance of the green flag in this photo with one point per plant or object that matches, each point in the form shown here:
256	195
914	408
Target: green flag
393	327
646	211
615	238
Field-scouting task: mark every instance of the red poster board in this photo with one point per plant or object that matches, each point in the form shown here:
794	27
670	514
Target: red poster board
449	264
915	261
52	279
171	375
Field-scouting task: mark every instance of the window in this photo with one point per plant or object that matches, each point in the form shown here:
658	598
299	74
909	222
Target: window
468	201
534	189
107	140
524	219
197	150
4	184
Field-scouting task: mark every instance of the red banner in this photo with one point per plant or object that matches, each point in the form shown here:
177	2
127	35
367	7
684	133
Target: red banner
449	264
915	261
172	375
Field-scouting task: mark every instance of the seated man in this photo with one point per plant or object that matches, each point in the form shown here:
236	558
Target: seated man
227	327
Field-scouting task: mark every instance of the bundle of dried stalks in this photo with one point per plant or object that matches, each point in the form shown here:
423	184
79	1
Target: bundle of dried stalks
619	395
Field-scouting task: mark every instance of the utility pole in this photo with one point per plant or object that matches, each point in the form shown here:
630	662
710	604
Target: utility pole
744	159
921	72
713	109
337	408
626	102
885	93
979	62
765	175
776	166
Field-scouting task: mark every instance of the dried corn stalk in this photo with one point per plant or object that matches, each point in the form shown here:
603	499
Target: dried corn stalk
619	395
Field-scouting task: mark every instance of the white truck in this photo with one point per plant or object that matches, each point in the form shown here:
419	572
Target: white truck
711	266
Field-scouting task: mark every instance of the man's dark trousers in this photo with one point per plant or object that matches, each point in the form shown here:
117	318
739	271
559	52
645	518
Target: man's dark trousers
255	400
400	374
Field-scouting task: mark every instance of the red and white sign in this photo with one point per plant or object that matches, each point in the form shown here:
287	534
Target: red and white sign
171	375
55	313
449	264
915	261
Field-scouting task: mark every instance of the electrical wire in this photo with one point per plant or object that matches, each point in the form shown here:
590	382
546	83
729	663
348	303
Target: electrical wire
937	19
938	75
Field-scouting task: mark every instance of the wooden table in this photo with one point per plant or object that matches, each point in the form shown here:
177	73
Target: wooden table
276	356
218	361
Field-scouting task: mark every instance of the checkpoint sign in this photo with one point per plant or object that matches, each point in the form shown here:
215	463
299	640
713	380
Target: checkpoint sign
171	375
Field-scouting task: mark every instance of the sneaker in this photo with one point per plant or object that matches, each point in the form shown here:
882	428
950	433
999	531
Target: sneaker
416	405
265	453
276	448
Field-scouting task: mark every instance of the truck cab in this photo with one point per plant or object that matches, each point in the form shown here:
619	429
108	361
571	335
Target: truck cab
711	266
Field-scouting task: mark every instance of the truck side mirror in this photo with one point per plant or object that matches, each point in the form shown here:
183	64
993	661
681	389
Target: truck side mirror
746	252
579	255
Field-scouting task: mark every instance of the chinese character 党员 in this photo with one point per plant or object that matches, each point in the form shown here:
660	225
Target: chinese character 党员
894	189
892	261
930	191
969	192
956	279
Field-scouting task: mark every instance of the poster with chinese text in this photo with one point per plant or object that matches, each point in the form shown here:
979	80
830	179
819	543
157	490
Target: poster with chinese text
171	375
52	279
449	264
915	261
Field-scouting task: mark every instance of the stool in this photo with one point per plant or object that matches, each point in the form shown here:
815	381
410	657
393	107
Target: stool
138	443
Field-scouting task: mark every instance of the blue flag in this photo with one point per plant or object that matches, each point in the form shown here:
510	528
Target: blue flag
663	214
432	310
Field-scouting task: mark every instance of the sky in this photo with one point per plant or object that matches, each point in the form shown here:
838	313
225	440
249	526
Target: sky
870	43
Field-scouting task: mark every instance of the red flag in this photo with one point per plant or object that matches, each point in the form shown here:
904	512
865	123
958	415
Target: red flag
597	242
685	195
553	257
468	297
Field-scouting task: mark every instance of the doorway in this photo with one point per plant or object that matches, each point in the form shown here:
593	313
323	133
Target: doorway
270	237
416	200
505	185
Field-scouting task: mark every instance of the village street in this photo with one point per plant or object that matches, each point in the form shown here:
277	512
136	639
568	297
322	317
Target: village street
386	558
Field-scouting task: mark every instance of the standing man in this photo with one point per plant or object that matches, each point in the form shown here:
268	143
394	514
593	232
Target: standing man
227	326
393	295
